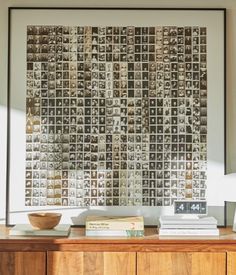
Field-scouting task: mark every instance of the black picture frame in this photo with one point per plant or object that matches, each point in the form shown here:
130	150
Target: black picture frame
12	10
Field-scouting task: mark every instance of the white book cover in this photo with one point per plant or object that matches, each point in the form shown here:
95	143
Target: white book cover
189	232
27	230
190	221
188	226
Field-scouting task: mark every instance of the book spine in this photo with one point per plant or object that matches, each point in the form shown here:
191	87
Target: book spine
33	233
188	226
115	233
188	232
114	226
187	222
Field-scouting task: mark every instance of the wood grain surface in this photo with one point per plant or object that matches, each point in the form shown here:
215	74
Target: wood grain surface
150	255
231	263
22	263
91	263
151	242
181	263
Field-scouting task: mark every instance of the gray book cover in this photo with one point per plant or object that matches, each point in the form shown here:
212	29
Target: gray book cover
27	230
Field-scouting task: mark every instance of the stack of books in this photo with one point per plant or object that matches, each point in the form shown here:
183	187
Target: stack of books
182	226
115	226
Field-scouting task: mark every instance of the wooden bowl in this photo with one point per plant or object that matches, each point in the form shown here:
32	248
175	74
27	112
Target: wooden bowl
44	220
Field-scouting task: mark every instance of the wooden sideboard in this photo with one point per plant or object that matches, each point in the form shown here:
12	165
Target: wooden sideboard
149	255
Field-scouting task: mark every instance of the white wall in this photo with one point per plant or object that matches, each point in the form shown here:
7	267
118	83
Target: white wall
229	184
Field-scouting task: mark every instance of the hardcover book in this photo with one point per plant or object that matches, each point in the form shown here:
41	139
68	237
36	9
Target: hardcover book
62	230
114	233
182	220
189	232
114	223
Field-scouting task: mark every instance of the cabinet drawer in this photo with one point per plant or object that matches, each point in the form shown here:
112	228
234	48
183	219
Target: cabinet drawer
23	263
174	263
91	263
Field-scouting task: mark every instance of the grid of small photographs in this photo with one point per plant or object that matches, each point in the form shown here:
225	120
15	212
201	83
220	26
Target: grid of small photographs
115	116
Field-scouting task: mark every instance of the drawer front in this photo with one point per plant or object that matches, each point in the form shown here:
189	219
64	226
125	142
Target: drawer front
174	263
91	263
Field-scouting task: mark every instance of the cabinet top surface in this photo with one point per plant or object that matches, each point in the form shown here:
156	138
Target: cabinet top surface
77	235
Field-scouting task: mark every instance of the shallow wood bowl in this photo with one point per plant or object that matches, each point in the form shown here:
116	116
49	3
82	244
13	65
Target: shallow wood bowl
44	220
